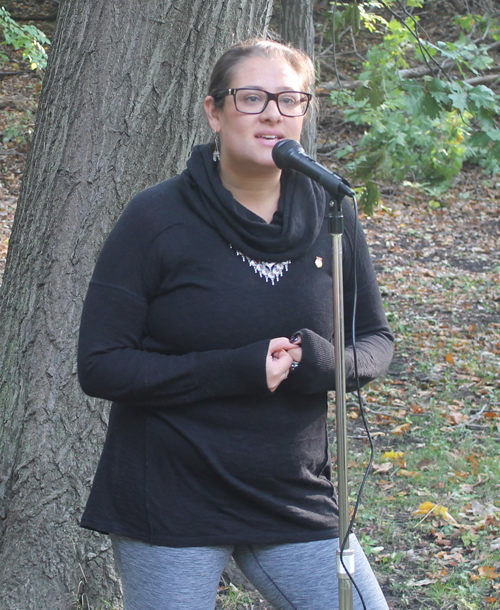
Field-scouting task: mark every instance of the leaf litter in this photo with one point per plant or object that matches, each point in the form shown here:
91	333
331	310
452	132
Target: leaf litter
435	507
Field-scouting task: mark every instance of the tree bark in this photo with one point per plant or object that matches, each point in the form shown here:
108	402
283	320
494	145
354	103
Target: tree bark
297	27
121	107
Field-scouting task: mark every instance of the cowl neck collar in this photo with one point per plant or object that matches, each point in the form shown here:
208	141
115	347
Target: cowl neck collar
293	230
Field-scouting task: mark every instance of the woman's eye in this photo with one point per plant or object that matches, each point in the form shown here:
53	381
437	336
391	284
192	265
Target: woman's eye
289	101
252	99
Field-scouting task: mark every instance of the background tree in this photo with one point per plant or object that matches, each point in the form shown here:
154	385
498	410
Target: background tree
121	108
297	27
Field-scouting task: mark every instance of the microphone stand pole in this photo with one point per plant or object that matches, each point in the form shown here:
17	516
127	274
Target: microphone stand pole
345	555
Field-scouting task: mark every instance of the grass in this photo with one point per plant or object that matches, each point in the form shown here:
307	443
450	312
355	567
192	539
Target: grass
232	597
427	560
438	412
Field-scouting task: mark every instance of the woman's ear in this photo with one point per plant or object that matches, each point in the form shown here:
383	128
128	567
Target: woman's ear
212	113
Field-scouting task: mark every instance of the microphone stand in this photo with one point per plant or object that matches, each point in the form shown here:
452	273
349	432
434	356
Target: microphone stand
345	555
290	154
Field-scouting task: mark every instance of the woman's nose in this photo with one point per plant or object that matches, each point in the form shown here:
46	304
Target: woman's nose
271	111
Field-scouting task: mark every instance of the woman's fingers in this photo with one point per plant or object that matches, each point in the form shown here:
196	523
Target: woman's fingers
278	362
293	348
280	343
295	353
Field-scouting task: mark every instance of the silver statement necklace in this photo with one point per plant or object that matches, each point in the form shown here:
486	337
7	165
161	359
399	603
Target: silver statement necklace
271	272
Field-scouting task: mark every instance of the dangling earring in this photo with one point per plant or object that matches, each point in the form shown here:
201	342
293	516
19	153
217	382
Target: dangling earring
216	155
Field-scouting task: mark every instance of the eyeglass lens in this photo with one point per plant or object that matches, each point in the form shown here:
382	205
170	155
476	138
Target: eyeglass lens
253	101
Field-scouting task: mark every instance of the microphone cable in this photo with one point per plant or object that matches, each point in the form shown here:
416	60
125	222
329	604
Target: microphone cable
361	407
355	355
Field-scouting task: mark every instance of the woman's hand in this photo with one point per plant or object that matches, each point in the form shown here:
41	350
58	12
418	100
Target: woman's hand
279	360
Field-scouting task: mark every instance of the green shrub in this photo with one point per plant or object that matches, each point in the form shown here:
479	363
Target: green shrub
25	38
422	130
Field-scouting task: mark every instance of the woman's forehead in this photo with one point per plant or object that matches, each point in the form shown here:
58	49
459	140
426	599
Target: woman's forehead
256	70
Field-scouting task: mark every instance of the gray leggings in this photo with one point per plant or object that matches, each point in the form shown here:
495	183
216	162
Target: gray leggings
299	576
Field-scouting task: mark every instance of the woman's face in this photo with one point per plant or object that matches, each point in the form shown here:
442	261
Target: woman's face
247	140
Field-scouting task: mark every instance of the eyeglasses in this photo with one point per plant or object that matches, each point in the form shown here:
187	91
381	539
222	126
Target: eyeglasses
255	101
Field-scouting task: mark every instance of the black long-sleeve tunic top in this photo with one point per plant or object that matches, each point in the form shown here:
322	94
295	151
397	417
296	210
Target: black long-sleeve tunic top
175	331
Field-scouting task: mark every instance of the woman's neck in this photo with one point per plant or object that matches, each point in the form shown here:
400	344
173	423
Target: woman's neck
258	194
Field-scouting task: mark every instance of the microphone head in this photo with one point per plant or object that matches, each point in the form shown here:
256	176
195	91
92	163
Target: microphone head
282	151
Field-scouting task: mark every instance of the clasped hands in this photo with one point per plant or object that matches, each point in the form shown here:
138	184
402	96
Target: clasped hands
281	354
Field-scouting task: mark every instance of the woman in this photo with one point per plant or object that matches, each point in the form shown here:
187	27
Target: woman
207	323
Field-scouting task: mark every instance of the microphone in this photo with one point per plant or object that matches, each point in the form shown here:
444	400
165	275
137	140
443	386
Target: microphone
289	154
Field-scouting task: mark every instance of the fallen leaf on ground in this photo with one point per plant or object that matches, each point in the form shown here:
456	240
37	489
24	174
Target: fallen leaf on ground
392	455
482	510
398	430
442	575
440	539
488	572
495	545
421	583
385	485
491	414
453	558
436	509
382	468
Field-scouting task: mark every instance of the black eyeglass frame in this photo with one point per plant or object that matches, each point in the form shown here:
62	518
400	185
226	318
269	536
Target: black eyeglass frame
270	97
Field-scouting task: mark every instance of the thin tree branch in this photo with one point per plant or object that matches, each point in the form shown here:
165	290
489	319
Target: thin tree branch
16	73
423	50
410	15
354	84
481	80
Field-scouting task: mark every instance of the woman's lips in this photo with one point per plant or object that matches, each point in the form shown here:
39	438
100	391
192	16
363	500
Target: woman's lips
269	138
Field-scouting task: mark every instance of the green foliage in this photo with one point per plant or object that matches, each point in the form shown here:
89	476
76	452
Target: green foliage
25	38
233	598
422	130
350	15
18	128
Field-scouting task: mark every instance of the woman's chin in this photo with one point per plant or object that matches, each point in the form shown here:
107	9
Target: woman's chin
252	164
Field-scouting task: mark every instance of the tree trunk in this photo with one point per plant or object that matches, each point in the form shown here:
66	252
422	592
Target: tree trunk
121	107
297	27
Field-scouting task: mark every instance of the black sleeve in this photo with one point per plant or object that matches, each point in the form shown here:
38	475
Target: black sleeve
111	362
374	341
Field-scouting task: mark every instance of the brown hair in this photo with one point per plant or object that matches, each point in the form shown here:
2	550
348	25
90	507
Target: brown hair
224	69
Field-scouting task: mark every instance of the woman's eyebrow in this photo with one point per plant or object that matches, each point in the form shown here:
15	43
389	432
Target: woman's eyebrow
259	88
